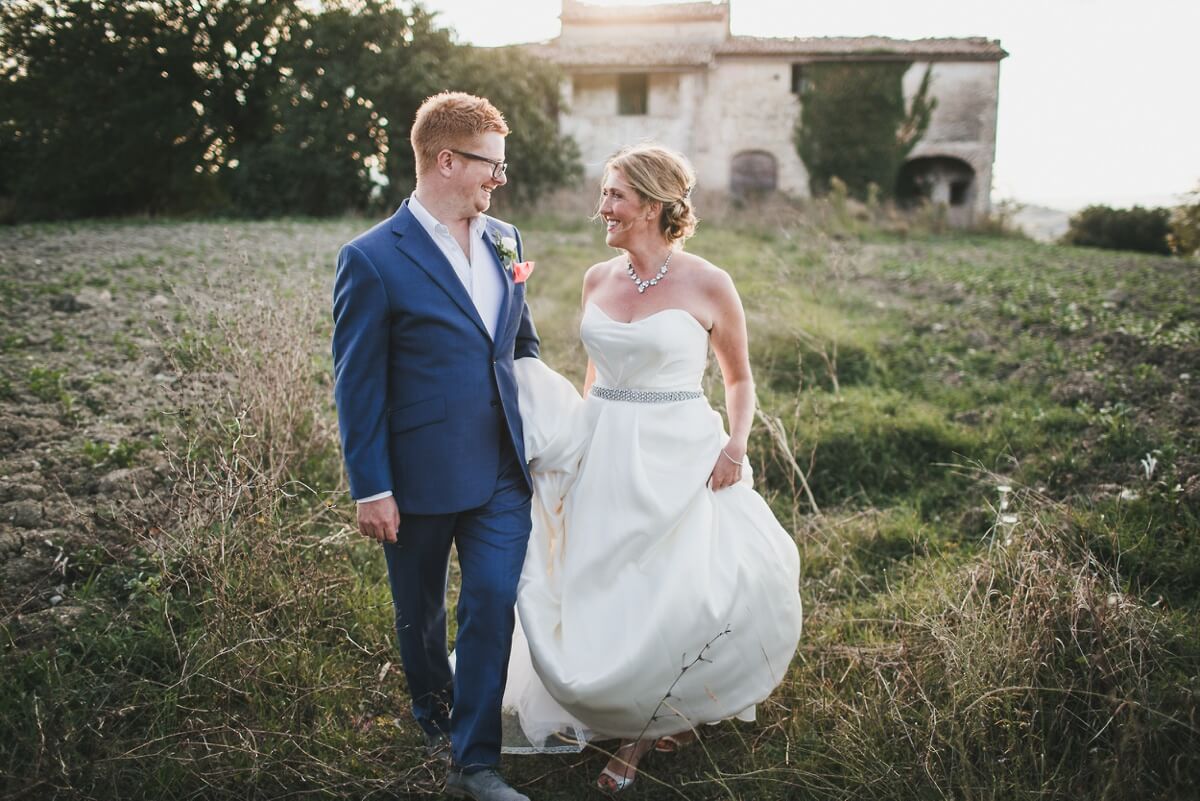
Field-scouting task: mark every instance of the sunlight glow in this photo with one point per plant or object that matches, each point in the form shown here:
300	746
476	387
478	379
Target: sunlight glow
1093	104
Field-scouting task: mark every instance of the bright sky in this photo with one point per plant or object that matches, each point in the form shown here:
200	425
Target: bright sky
1097	97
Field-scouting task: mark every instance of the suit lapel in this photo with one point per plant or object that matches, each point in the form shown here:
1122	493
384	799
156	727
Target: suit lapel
413	241
491	232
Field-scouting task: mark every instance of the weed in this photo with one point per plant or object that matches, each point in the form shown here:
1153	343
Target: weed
121	454
46	384
125	345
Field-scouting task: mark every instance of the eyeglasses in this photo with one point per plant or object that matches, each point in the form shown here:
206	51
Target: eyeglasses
499	168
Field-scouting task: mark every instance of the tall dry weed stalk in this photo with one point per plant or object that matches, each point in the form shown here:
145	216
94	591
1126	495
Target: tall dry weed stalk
280	647
1024	671
253	409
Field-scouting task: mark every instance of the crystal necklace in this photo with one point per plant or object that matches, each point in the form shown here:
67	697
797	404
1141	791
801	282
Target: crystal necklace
661	276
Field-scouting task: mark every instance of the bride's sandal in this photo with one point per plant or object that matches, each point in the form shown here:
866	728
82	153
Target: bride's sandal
611	782
627	757
673	743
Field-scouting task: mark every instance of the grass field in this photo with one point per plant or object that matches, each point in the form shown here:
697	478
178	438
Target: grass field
1001	572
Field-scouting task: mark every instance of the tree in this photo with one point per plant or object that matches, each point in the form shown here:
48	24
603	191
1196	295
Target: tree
325	140
95	118
115	108
854	124
260	107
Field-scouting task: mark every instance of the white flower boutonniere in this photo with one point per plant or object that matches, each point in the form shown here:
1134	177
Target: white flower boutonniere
506	248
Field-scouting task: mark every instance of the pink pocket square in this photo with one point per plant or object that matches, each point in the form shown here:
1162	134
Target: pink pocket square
521	271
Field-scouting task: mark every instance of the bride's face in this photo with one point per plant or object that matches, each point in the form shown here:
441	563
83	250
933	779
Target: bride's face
626	217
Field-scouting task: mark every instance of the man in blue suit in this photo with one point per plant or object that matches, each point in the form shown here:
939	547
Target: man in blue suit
429	314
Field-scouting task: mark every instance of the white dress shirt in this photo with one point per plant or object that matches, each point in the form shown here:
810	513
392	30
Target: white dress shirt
478	271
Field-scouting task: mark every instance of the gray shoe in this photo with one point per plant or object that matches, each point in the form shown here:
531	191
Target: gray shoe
437	746
482	785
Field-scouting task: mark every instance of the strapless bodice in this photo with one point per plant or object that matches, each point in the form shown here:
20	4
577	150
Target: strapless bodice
666	351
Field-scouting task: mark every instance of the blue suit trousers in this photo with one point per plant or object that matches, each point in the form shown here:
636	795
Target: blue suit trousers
490	540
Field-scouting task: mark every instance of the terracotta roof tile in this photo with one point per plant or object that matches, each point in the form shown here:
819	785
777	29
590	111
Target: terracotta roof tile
669	56
640	55
975	48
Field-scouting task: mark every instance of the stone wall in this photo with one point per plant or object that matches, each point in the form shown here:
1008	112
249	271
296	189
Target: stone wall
964	123
600	131
750	106
746	103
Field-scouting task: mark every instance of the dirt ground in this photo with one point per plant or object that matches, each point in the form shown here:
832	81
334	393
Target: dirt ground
87	389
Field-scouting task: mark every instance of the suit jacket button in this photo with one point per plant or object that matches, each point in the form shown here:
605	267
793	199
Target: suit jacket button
495	404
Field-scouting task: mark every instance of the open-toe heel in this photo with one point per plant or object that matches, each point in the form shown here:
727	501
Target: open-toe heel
611	782
628	757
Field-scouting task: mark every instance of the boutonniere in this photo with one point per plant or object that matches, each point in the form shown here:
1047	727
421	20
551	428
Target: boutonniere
506	249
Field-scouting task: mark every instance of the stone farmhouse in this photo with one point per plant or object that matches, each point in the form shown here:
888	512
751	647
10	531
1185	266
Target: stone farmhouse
675	74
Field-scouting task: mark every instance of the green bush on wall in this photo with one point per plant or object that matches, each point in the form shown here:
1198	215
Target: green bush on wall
854	124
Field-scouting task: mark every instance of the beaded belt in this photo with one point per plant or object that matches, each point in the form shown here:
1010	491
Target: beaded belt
646	395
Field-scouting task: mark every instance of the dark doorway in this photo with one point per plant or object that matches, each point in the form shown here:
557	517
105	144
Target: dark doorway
754	173
939	179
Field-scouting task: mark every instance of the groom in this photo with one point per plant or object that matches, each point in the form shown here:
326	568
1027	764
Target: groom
428	317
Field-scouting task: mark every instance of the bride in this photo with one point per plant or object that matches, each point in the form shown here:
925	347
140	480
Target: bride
658	592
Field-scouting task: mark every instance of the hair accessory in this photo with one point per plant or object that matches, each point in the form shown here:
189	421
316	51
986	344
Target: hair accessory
688	194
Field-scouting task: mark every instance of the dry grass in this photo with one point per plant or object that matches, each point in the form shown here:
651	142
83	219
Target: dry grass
245	649
1023	671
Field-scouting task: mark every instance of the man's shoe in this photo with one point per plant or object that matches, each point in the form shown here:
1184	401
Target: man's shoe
437	746
482	785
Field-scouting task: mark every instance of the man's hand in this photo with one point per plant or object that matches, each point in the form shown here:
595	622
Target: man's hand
379	520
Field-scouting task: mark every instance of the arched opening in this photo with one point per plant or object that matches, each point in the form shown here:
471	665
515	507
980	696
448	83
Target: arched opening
939	180
753	173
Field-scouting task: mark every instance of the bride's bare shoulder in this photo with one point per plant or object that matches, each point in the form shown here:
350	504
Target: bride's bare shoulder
599	272
704	274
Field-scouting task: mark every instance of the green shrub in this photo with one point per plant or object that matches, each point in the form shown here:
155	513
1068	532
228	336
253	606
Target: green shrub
1143	230
1185	226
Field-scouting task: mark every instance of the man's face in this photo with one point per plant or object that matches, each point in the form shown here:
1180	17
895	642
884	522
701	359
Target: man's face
472	180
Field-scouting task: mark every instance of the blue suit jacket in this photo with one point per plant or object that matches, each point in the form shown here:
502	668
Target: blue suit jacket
425	398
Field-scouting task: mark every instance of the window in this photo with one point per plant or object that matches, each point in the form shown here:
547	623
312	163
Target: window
631	94
800	83
958	192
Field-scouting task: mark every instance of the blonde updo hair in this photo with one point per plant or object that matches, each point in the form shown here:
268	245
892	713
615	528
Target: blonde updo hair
659	174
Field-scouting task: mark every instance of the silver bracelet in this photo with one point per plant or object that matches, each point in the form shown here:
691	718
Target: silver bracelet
730	458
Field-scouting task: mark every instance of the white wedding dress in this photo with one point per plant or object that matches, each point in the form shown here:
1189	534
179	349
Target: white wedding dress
648	603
